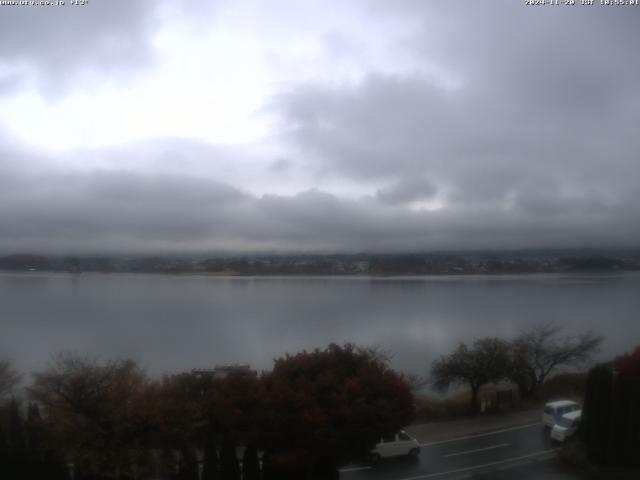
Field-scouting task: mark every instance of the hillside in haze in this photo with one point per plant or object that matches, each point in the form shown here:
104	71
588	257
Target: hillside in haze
497	262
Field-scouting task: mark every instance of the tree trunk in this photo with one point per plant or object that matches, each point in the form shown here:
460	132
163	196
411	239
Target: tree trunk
475	389
250	464
229	467
523	390
210	460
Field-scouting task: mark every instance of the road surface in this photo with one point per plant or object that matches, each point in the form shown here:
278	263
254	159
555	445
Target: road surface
523	447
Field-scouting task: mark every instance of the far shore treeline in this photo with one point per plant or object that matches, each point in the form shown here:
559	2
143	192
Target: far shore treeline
434	263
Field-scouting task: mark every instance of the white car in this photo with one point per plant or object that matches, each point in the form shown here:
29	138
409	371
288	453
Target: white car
566	427
553	411
394	446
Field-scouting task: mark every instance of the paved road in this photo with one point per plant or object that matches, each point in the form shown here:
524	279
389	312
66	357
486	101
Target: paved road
465	456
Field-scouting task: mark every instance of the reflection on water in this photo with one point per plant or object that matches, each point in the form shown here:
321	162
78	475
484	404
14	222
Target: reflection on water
172	323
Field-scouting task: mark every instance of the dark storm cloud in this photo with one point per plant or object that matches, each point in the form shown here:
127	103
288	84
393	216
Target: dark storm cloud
531	129
51	209
54	210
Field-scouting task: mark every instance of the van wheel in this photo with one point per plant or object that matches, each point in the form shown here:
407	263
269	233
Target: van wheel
374	458
413	452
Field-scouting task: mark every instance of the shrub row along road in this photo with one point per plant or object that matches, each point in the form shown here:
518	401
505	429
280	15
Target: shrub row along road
526	447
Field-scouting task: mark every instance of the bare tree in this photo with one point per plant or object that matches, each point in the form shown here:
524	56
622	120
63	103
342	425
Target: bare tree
378	352
86	387
383	355
9	378
487	361
416	382
93	408
537	352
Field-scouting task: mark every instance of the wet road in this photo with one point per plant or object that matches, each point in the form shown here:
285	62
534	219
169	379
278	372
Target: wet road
491	451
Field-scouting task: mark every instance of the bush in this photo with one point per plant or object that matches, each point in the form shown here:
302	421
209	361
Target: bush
574	455
565	385
429	408
611	420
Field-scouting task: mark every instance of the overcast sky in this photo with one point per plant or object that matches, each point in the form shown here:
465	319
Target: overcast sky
240	125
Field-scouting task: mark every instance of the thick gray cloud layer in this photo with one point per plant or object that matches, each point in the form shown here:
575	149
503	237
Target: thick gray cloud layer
53	44
528	138
107	210
407	190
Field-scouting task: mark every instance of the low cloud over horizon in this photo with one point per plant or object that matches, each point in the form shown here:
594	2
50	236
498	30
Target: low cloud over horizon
411	126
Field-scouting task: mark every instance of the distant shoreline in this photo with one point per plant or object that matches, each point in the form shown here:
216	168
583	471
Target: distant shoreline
389	276
338	265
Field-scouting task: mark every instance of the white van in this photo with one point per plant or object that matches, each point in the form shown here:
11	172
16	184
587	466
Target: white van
394	446
567	426
553	411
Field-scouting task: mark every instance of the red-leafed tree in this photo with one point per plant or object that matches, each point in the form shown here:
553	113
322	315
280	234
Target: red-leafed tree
175	410
327	407
628	366
189	412
233	405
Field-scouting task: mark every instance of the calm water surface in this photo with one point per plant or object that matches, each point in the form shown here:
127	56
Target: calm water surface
172	323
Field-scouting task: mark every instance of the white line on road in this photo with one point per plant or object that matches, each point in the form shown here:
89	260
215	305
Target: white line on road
484	465
457	454
353	469
495	432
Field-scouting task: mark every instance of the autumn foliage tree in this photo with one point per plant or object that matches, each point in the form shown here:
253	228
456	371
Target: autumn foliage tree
313	412
327	407
175	410
205	412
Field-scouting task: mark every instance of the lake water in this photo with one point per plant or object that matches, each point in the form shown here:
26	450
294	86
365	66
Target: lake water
173	323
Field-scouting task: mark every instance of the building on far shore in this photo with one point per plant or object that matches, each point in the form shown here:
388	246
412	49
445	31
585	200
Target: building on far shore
222	371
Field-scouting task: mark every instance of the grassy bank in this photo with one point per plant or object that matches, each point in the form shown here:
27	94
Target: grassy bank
431	408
